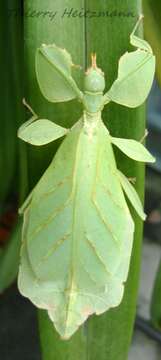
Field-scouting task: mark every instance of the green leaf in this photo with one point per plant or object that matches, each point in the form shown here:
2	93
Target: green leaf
53	69
10	100
155	307
132	195
9	259
40	132
133	149
83	263
130	88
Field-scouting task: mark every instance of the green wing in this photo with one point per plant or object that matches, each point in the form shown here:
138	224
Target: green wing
53	70
78	232
135	75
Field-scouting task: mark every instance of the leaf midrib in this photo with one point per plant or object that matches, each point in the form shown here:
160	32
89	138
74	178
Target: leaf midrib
73	261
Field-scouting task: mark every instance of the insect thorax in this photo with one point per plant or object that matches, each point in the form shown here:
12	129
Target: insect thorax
94	85
93	103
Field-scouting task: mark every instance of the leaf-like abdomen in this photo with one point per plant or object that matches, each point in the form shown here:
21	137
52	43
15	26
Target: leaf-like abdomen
50	215
78	241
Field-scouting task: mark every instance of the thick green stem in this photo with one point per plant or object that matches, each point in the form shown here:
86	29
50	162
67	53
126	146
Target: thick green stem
11	118
152	21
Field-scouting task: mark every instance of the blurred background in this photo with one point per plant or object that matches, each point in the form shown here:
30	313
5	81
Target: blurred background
146	342
19	339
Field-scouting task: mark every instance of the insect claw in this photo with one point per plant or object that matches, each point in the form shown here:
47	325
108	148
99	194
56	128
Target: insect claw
24	102
141	16
144	136
132	180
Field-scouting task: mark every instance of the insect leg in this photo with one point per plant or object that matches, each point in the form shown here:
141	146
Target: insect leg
144	136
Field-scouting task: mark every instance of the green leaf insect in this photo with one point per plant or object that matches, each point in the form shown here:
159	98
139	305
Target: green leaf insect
78	231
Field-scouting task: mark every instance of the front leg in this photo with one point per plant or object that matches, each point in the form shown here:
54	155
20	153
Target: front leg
130	88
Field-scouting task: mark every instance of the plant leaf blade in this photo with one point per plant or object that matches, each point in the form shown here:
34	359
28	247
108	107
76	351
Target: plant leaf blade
9	259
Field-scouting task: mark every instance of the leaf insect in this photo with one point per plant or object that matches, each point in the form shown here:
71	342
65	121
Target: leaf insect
78	231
